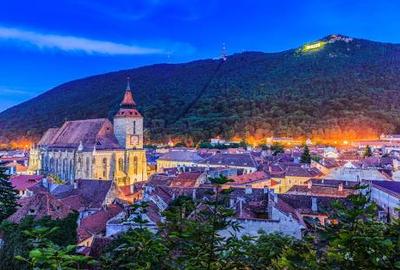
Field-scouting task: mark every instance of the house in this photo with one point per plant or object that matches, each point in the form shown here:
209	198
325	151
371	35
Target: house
390	137
310	208
322	189
325	165
352	172
40	205
178	158
330	152
296	175
244	162
14	167
255	210
22	183
94	225
259	179
86	196
188	180
387	195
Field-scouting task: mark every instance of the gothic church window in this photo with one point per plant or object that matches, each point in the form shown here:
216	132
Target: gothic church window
104	167
135	165
87	166
120	164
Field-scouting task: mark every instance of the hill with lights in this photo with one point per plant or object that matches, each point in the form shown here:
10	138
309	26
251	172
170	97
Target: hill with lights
334	88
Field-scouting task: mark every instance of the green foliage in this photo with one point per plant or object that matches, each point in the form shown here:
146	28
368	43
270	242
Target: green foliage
56	179
306	156
359	240
47	255
139	248
190	239
180	144
136	249
277	148
8	196
18	243
367	151
342	90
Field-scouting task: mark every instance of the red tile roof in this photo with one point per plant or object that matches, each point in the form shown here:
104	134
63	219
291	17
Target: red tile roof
40	205
249	178
23	182
320	191
185	179
96	223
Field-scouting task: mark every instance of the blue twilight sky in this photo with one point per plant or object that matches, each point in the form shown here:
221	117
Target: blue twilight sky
44	43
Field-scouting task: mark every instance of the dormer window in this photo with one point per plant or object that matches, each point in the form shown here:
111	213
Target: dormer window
32	211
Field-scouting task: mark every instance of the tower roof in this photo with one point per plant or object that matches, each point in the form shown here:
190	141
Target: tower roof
127	101
128	105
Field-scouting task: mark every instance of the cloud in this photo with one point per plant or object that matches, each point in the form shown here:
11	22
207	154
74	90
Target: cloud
9	91
73	43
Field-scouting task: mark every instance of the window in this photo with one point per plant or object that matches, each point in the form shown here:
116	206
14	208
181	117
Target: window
64	166
135	165
120	164
87	166
79	163
104	167
134	127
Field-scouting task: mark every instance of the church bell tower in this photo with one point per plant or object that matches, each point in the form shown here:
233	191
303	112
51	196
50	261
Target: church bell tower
128	122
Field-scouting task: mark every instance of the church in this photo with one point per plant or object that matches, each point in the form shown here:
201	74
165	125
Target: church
95	148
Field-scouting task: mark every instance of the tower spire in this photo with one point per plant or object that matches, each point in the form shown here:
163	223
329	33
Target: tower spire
128	83
127	101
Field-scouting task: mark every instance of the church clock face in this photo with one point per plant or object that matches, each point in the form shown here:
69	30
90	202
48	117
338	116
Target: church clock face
134	140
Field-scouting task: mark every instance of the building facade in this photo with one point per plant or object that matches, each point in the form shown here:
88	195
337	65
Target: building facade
95	148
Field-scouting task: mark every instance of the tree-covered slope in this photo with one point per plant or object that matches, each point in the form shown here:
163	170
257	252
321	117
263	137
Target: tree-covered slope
343	89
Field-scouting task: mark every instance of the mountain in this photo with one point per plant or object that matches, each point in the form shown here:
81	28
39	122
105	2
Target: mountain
335	88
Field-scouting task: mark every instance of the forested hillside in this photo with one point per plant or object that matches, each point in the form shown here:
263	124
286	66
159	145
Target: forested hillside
341	89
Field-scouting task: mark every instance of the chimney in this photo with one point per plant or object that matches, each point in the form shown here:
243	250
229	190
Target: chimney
75	184
231	203
45	183
314	205
309	184
266	189
248	189
340	187
194	194
272	196
240	206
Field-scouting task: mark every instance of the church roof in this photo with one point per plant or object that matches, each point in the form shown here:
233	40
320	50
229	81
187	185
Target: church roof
48	136
128	99
90	132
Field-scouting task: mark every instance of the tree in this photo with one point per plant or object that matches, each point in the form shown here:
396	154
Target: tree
277	148
192	229
358	240
268	251
17	243
368	151
136	249
139	248
8	196
305	156
47	255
